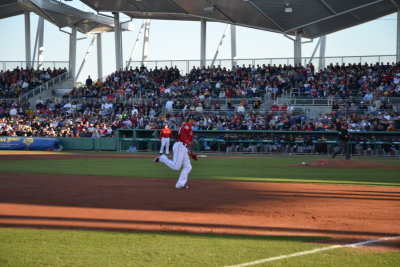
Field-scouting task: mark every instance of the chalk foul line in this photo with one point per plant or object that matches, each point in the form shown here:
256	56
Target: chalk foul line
302	253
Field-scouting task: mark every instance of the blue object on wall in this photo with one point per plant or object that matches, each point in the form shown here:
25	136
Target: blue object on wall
29	143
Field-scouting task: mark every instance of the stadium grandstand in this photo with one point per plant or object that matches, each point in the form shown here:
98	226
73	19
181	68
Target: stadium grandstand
295	106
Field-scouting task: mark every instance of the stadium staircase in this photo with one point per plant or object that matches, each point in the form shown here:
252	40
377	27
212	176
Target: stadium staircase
45	90
308	105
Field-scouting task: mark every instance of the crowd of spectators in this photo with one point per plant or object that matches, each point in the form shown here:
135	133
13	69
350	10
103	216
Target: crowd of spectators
140	98
216	88
335	81
197	87
342	81
15	82
66	118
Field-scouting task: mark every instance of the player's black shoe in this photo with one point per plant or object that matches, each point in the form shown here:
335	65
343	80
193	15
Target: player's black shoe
183	187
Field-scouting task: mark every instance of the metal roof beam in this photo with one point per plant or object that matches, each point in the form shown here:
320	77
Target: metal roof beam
223	13
328	7
355	16
334	12
85	21
265	15
335	15
6	5
135	6
148	14
198	17
395	4
178	6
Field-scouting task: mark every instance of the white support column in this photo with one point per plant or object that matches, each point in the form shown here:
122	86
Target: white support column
120	47
322	46
398	37
315	50
135	45
27	39
146	35
36	43
99	58
203	34
118	43
72	54
233	46
219	45
297	48
86	56
41	46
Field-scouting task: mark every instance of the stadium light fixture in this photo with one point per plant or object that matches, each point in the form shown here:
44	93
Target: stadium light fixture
208	9
288	8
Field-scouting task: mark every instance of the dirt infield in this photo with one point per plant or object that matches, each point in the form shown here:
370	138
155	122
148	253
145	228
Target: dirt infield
346	213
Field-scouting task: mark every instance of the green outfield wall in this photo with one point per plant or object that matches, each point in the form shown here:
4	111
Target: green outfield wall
88	143
215	141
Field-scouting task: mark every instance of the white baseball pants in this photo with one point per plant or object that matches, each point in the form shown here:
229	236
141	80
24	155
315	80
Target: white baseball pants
180	157
164	144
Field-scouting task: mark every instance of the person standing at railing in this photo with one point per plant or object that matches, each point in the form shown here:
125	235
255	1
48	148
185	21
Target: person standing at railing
368	97
165	137
343	141
169	105
89	81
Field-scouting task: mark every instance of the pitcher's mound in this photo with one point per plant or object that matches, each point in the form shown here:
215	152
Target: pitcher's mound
348	164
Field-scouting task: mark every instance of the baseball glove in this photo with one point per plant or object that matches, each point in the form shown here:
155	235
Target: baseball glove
192	155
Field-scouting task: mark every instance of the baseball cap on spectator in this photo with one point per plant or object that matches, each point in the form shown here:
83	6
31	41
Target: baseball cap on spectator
193	117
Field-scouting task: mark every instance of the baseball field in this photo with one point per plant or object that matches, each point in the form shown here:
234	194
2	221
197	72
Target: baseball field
120	209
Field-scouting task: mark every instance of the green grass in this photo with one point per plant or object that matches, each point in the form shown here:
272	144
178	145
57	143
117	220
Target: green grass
30	247
276	169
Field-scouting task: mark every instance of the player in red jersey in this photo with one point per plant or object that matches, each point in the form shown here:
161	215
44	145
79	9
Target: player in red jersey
181	153
165	136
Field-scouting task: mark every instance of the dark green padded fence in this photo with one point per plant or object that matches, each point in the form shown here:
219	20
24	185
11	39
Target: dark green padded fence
88	143
147	140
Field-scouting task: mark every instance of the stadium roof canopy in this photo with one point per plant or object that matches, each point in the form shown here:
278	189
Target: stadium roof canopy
10	8
60	14
313	18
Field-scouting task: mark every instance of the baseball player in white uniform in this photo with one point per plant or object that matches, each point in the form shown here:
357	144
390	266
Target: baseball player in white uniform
181	153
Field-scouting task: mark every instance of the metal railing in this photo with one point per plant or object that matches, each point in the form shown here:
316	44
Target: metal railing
186	65
45	86
10	65
327	101
305	101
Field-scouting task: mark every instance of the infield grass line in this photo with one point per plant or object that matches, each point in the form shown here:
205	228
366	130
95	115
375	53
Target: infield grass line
302	253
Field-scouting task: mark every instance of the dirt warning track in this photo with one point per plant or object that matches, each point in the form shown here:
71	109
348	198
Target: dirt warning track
143	204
